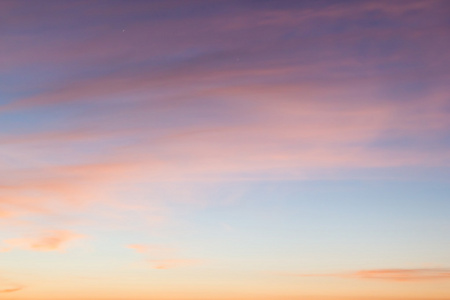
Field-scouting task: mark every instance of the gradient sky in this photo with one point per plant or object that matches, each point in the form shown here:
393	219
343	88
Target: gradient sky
249	150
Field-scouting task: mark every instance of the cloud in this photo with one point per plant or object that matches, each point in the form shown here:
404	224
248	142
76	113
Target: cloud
152	250
310	101
142	92
397	275
404	274
164	264
161	257
290	91
11	290
8	286
242	134
55	240
139	248
49	190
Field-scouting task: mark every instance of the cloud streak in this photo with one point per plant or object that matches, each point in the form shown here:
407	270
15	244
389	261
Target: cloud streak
248	92
164	264
396	275
161	257
7	286
144	107
11	290
153	250
55	240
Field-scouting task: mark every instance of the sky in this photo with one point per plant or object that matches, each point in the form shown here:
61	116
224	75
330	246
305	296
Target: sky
250	150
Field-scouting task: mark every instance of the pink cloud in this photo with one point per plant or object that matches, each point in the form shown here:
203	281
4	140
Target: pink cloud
34	189
397	275
55	240
304	134
161	257
164	264
152	250
223	105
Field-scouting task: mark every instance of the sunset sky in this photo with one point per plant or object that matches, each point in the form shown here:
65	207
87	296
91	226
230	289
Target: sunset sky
225	149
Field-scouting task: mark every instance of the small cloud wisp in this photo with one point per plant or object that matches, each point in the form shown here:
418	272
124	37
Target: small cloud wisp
164	264
160	257
398	275
55	240
9	287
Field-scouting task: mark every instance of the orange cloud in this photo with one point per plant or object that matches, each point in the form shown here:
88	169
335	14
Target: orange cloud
138	248
404	274
34	190
10	290
152	250
55	240
160	256
164	264
7	286
398	275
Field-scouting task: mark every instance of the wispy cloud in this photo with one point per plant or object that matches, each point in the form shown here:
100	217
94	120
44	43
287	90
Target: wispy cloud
163	264
11	290
142	95
398	275
162	257
55	240
153	250
261	92
9	286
